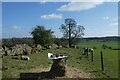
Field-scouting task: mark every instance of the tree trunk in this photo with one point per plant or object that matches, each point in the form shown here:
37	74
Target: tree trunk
69	36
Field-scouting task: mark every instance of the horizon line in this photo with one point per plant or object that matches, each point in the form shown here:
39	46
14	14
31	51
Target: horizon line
62	37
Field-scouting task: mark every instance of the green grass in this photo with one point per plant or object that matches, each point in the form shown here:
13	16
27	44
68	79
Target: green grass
98	44
17	66
110	58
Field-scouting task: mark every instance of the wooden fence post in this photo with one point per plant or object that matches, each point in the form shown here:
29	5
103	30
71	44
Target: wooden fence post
102	61
92	56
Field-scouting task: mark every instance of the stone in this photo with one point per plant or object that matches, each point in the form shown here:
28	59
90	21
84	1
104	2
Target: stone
58	68
54	46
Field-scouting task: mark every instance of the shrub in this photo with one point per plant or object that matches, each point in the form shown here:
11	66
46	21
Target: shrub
104	46
94	47
109	47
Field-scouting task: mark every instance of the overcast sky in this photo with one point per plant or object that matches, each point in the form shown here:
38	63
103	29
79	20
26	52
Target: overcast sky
98	18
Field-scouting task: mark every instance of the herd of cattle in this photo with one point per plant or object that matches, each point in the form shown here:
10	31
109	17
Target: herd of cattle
23	50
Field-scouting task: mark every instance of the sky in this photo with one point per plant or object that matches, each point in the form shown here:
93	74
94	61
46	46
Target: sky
99	19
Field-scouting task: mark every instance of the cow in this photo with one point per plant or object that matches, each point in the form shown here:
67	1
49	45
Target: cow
87	51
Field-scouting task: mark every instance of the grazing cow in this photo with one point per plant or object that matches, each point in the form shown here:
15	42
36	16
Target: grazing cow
87	51
90	50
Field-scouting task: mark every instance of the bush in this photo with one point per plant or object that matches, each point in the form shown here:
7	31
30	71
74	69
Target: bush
109	47
104	46
94	47
77	47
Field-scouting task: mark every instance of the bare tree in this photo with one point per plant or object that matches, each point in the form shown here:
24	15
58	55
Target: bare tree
71	30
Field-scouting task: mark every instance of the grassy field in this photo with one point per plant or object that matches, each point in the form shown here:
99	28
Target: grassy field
13	67
110	58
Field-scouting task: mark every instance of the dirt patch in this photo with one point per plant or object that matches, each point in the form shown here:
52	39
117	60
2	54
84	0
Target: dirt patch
76	73
40	69
72	72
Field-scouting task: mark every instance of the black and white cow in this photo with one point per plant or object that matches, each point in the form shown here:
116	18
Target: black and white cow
87	51
90	50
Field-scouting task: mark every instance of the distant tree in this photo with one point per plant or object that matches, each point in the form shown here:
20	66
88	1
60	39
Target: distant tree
42	36
71	30
10	42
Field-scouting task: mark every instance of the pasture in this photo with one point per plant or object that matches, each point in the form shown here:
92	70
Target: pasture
12	66
110	58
